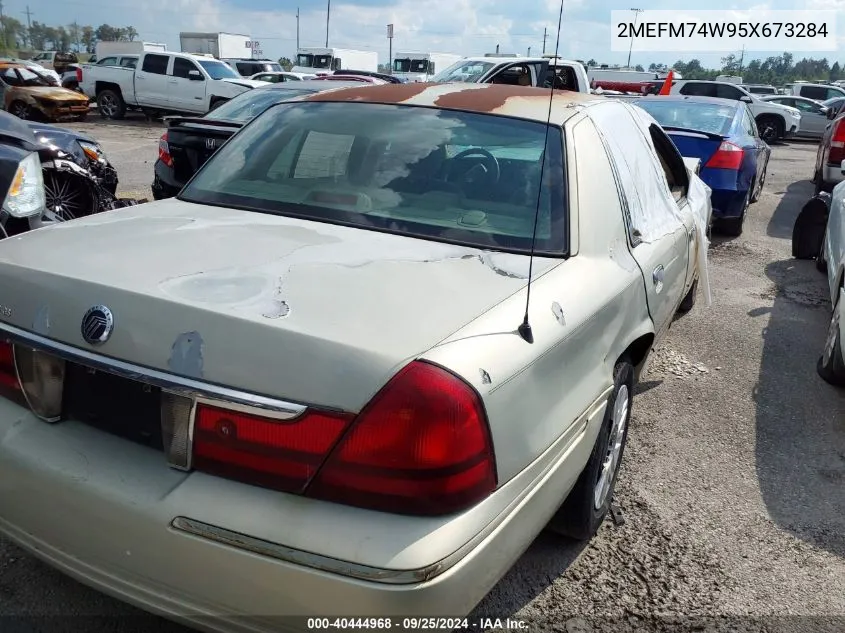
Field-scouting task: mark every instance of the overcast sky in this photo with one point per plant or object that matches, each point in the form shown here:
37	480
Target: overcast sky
468	27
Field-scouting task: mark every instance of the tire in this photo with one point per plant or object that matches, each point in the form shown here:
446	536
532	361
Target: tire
688	302
589	501
733	226
771	128
831	366
111	105
821	262
20	110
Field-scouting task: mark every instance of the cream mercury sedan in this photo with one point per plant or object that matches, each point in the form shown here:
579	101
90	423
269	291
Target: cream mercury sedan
316	383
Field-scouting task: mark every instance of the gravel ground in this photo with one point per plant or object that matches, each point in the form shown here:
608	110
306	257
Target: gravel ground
732	484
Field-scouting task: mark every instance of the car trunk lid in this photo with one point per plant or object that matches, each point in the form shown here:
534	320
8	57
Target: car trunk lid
303	311
695	143
192	141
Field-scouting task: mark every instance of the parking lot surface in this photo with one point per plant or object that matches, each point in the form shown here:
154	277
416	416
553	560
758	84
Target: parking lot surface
733	483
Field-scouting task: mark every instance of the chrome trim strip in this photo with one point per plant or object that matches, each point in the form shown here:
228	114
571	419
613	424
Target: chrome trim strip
286	554
187	387
299	557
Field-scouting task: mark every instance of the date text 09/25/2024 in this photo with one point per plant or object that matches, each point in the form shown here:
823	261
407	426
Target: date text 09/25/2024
416	624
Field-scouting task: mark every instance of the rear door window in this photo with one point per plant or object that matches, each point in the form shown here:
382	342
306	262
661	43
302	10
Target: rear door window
698	89
155	64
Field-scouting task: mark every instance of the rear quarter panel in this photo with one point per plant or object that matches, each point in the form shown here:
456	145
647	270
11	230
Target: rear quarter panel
584	313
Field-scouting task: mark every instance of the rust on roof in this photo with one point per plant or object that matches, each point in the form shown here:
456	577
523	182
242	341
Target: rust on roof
372	93
520	101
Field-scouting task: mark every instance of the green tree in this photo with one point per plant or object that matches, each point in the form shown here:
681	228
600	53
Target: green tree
130	33
285	63
592	63
835	72
89	39
639	68
37	35
14	33
62	39
74	34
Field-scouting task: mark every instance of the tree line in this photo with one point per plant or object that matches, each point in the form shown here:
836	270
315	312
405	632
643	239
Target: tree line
776	70
81	38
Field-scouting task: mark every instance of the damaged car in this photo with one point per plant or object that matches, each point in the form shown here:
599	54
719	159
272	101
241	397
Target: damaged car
29	95
353	358
831	260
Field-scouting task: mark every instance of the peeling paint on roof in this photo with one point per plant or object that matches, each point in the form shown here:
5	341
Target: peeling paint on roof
519	101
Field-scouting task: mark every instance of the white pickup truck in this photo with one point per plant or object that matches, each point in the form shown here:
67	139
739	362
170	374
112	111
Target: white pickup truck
163	83
525	71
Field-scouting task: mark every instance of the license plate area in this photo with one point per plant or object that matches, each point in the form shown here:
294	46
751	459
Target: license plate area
116	405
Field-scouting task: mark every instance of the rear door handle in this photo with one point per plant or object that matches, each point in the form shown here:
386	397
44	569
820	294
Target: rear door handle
657	278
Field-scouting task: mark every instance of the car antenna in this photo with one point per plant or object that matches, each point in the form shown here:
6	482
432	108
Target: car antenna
525	327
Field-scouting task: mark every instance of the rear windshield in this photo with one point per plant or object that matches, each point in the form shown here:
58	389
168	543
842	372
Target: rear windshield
704	117
452	176
250	104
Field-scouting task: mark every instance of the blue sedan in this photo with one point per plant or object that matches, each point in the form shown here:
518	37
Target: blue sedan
723	135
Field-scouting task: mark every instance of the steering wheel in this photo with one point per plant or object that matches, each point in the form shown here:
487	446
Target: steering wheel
486	164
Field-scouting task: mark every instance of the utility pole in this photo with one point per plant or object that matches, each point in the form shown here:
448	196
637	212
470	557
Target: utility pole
529	52
390	50
545	35
297	30
636	15
3	25
328	13
28	24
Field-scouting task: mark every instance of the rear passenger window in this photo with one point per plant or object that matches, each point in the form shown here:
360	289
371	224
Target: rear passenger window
698	90
108	61
156	64
814	92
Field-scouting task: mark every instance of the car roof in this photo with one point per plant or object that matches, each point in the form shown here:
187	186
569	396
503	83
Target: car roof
694	99
517	101
310	84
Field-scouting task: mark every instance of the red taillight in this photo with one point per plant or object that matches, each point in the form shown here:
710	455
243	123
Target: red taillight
837	144
279	454
79	75
10	386
164	151
728	156
421	446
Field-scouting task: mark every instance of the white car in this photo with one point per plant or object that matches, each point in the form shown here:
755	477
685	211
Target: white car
831	365
278	77
314	382
520	71
774	121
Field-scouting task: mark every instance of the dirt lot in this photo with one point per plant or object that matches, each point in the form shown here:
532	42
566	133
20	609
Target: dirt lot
733	481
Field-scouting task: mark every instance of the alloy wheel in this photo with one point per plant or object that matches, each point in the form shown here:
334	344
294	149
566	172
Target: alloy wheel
610	464
66	199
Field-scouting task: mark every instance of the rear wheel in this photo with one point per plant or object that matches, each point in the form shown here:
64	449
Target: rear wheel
111	104
733	226
821	262
831	366
589	501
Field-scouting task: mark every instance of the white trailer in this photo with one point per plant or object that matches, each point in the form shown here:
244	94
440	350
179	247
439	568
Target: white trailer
620	75
325	61
108	49
416	66
219	45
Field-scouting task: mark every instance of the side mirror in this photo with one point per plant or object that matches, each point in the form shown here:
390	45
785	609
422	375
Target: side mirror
746	99
195	75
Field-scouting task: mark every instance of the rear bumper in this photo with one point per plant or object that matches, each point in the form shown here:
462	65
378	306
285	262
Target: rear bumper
727	203
101	509
832	173
164	184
